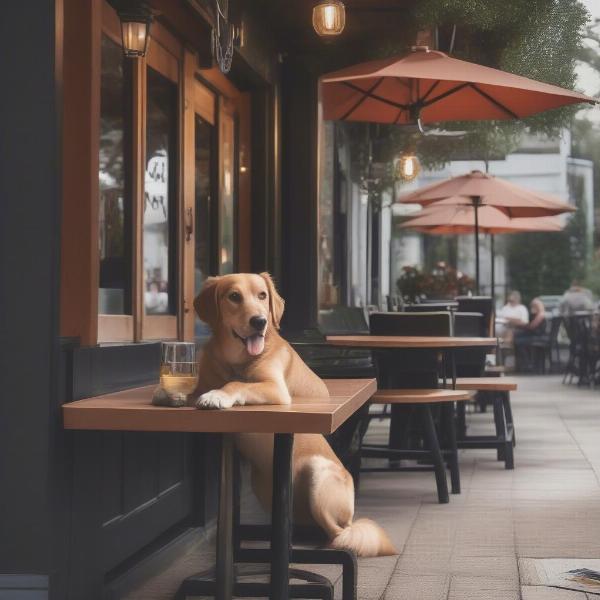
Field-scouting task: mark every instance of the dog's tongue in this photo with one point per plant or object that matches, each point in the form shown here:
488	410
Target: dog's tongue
255	344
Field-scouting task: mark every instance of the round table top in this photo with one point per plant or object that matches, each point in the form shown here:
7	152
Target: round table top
410	341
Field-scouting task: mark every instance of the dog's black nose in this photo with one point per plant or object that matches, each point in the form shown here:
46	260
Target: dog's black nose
258	323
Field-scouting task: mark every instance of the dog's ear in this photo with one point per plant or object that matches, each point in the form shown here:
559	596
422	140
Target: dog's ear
276	302
206	303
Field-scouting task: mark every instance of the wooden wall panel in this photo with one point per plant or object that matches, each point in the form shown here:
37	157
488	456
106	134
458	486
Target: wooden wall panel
81	123
188	187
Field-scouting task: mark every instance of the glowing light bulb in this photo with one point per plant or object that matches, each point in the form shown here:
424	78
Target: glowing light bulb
407	167
329	17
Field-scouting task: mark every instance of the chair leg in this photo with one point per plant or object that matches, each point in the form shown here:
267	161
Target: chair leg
509	416
498	420
461	421
505	448
436	454
450	426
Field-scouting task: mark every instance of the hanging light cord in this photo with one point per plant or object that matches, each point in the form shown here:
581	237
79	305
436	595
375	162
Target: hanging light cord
223	52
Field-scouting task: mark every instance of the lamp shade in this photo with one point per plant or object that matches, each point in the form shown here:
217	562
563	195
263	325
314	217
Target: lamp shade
136	20
329	17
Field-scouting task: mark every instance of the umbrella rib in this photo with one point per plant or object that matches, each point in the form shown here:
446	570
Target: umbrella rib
366	94
447	93
402	82
433	86
494	101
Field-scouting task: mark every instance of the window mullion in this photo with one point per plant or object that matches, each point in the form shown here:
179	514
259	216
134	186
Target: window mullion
138	163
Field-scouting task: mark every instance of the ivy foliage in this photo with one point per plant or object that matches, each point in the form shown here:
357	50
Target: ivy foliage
540	39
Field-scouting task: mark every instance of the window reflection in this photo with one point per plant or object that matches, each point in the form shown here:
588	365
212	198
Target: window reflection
227	208
203	187
204	139
160	185
114	294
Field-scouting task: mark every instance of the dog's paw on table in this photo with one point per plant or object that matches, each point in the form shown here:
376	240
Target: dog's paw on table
162	398
215	399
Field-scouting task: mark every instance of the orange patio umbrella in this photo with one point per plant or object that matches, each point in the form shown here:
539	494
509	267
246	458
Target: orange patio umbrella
478	190
445	219
482	189
429	86
440	219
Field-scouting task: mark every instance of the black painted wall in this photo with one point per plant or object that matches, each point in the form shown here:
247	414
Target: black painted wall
29	274
299	202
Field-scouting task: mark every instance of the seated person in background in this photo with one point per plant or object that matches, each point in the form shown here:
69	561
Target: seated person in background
576	298
512	314
525	335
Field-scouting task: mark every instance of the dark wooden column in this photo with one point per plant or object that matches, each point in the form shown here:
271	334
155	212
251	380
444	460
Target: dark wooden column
299	239
30	192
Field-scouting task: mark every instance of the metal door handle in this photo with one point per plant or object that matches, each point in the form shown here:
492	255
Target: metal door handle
189	224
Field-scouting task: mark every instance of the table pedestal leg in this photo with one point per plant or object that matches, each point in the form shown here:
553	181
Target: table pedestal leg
225	573
281	515
220	581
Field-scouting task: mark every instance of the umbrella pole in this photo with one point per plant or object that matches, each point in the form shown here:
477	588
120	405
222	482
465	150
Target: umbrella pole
493	267
476	207
493	284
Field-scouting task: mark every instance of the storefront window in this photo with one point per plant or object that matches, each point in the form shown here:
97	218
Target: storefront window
114	294
203	190
160	189
227	207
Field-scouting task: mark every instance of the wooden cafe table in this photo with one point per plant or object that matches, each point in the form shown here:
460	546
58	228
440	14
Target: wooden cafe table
444	344
132	410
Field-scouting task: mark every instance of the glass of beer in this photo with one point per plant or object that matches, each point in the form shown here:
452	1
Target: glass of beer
178	368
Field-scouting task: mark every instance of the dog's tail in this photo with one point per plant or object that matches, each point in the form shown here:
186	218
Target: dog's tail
365	538
332	507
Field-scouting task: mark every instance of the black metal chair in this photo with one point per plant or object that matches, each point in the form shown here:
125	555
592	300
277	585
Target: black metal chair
449	306
478	304
546	347
411	323
412	431
330	362
583	353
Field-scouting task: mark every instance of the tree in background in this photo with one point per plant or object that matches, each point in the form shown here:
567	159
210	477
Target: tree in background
541	39
546	263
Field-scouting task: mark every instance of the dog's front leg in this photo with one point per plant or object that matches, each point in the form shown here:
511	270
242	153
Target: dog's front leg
240	393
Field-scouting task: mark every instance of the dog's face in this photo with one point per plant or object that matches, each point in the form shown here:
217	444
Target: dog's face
240	309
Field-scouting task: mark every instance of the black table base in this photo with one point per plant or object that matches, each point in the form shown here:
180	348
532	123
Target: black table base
225	581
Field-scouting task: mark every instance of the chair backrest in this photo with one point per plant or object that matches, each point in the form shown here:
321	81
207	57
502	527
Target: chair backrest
432	307
555	323
406	368
403	323
469	324
343	320
478	304
470	362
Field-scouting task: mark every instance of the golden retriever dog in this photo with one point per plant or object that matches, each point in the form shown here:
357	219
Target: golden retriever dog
246	361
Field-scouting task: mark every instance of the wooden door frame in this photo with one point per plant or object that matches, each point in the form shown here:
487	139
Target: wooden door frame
165	55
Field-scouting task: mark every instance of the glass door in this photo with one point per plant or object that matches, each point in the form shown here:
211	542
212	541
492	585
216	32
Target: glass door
227	191
205	194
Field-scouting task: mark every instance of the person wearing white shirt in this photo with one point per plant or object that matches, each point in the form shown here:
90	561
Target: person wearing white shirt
512	314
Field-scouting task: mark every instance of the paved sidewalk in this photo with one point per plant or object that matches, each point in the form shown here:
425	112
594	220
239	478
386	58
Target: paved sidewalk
473	548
